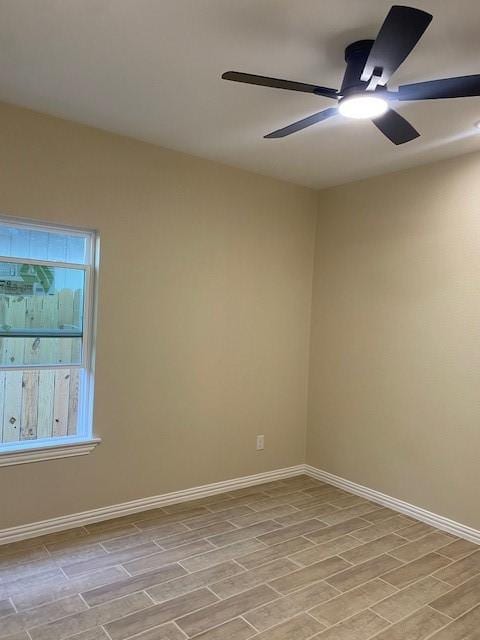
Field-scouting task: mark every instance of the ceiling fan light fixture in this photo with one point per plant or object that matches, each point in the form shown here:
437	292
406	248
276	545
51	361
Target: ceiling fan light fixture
370	64
362	107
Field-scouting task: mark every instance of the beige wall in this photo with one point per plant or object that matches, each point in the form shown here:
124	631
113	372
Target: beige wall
394	399
204	322
204	313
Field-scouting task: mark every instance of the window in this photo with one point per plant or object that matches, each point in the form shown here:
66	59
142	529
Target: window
46	322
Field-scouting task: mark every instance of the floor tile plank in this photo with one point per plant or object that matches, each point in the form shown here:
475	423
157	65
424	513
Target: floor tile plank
110	559
458	549
152	535
276	513
132	585
415	570
422	546
286	607
41	615
360	573
216	556
301	627
96	616
352	602
417	626
337	530
325	550
192	581
363	552
458	601
220	612
167	631
359	627
245	533
406	601
154	616
264	555
293	531
464	628
248	579
57	587
162	558
301	515
193	535
461	570
312	573
379	529
236	629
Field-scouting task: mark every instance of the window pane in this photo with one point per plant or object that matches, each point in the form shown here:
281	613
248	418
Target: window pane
39	404
18	352
41	314
20	242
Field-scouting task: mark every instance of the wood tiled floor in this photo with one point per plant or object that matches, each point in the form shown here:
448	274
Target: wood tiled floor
294	559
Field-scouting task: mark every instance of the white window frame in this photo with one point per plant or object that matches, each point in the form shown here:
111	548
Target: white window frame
84	441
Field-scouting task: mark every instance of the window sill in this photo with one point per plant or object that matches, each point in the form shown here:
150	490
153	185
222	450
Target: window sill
36	451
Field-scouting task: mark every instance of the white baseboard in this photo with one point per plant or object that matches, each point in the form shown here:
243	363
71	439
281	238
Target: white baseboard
62	523
35	529
433	519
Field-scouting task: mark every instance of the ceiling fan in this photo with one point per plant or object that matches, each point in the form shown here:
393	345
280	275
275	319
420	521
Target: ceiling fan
370	65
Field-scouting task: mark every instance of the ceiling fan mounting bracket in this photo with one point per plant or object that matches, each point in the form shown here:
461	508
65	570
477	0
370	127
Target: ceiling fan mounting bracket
356	55
358	48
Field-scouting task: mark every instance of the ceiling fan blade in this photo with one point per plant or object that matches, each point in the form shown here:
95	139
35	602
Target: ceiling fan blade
278	83
461	87
395	127
303	124
402	29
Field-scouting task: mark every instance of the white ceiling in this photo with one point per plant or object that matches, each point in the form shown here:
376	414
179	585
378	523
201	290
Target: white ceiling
151	69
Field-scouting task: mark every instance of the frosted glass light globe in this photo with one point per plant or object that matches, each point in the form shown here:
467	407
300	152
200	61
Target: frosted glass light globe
361	107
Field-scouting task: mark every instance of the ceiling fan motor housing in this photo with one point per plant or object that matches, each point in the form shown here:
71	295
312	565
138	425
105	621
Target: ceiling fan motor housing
356	55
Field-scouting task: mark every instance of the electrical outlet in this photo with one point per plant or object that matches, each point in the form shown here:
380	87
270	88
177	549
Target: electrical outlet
260	443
